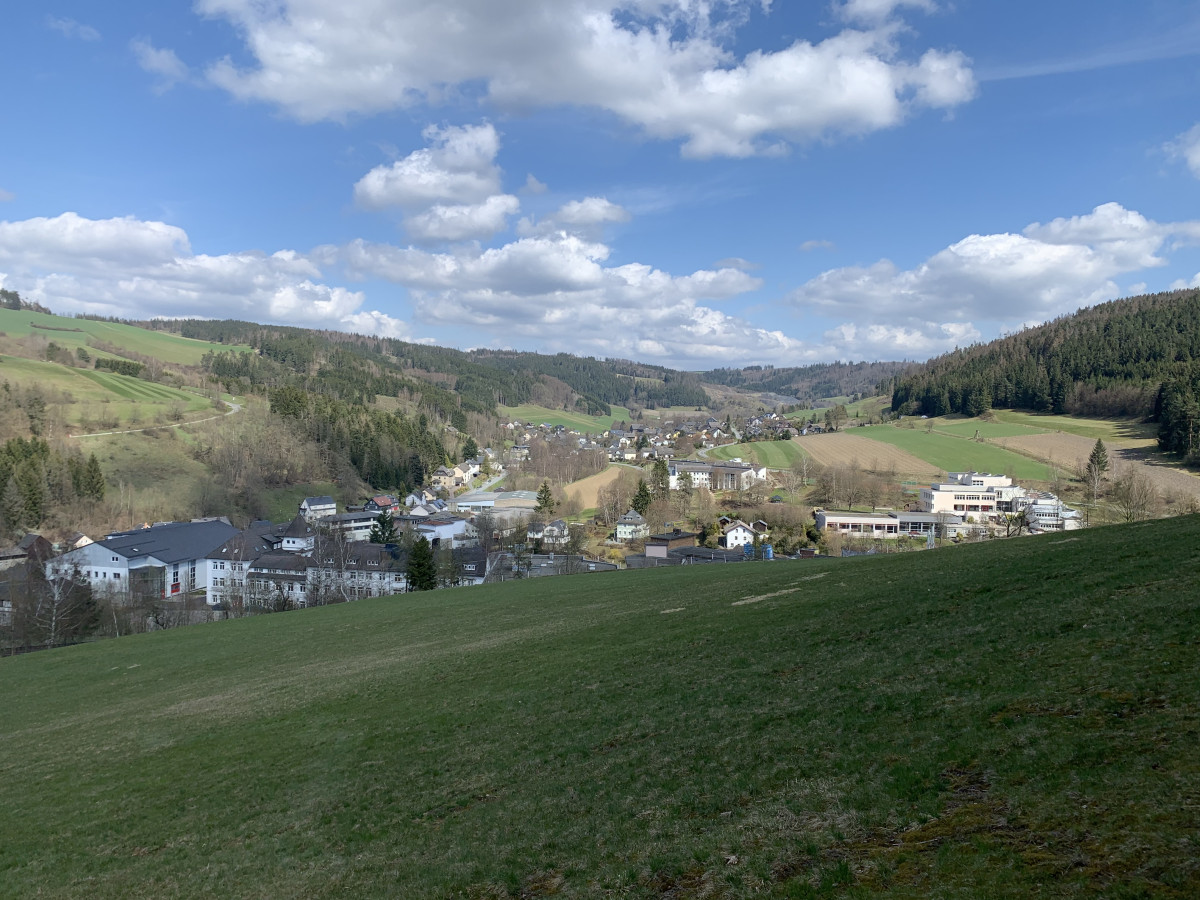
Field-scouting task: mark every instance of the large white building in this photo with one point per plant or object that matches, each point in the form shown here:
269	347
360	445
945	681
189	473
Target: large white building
967	493
734	475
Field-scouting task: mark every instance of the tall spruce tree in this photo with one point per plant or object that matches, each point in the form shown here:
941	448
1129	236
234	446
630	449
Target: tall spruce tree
642	499
545	500
384	530
422	570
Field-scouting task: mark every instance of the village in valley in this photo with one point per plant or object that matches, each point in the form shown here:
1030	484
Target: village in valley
465	528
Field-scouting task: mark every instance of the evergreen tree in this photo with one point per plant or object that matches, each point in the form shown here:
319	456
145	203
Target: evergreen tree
642	499
660	479
545	500
422	570
384	530
93	479
470	449
1099	458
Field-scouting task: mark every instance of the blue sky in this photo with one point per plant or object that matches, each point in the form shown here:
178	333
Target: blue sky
694	182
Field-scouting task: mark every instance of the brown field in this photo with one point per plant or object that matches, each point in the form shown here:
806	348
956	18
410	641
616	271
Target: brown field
840	448
588	489
1071	451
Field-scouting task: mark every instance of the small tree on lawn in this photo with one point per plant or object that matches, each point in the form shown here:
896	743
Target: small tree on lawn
1097	466
422	570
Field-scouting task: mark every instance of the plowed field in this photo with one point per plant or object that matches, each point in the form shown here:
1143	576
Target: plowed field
588	489
840	448
1071	451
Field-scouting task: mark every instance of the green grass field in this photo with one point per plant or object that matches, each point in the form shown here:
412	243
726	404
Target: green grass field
169	348
773	454
101	400
957	454
1020	720
1115	431
968	428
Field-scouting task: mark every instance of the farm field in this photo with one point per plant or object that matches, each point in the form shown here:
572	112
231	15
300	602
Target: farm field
74	333
1124	432
761	730
955	454
91	398
843	448
772	454
968	428
1071	451
588	489
574	421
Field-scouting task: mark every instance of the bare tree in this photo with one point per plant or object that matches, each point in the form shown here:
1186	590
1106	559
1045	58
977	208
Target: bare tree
1134	495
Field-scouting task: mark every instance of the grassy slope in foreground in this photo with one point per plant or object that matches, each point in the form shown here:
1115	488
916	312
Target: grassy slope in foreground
994	720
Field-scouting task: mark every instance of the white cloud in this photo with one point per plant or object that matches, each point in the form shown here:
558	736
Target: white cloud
872	12
584	217
557	291
1187	147
459	168
809	246
129	267
72	29
7	196
169	68
1005	279
533	186
662	66
464	222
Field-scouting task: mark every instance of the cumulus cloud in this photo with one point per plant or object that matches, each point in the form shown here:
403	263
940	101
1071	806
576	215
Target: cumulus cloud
1187	148
1004	279
584	217
72	29
662	65
129	267
169	68
557	290
448	191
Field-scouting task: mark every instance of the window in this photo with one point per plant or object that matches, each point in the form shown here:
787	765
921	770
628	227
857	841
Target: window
117	575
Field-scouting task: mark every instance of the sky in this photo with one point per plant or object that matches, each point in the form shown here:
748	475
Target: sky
694	183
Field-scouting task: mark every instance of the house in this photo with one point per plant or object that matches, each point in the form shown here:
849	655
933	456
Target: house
552	534
313	508
355	526
382	503
298	536
33	548
890	525
632	527
159	561
736	533
658	545
420	498
228	564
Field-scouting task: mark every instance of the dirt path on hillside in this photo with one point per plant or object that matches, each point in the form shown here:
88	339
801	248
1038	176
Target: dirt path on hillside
840	449
1071	452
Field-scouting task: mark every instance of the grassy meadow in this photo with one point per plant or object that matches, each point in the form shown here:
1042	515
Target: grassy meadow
72	333
571	420
953	453
1125	432
96	400
773	454
998	720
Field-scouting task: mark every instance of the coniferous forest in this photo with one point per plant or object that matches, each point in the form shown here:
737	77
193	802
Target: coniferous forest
1139	356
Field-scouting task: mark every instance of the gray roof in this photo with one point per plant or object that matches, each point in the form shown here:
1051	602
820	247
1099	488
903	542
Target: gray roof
323	500
171	542
248	545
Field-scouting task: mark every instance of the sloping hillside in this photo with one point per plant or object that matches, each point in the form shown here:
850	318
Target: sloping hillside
1007	719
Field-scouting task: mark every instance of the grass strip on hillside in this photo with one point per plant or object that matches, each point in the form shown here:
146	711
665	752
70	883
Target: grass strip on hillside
957	454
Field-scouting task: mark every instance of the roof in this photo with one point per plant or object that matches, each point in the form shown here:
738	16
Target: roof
323	500
633	517
298	528
171	542
248	545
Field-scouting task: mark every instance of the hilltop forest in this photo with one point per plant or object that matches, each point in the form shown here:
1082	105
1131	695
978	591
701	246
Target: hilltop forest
1139	356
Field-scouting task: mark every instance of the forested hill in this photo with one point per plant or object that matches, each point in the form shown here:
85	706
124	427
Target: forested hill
808	383
358	365
1124	358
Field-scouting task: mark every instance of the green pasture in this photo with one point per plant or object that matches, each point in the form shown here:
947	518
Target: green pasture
773	454
968	428
1115	431
761	730
72	333
957	454
100	400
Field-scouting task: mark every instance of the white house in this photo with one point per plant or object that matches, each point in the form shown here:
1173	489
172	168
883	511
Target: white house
313	508
736	534
631	527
